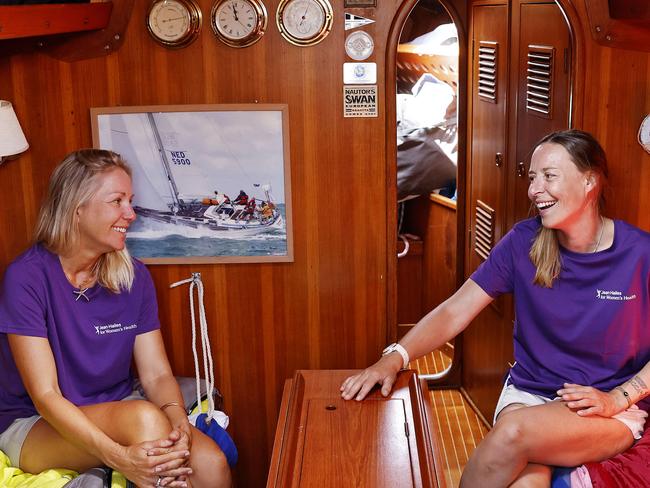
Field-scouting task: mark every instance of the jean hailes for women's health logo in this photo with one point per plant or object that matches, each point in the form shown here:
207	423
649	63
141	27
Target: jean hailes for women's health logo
613	295
113	328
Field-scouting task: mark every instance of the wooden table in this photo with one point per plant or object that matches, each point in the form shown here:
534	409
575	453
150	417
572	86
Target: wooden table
324	441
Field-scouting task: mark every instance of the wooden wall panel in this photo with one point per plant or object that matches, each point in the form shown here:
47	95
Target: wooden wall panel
327	309
616	88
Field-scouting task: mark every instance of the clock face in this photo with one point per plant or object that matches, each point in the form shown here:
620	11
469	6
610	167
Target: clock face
174	23
239	23
304	22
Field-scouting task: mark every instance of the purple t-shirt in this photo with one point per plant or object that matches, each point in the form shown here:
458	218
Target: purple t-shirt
92	341
592	327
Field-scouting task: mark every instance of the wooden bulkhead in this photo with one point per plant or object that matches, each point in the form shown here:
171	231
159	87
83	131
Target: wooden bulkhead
336	305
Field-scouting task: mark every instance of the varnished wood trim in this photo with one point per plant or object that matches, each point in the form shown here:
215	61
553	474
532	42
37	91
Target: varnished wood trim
18	21
280	432
578	64
468	399
391	155
391	167
625	33
442	200
430	424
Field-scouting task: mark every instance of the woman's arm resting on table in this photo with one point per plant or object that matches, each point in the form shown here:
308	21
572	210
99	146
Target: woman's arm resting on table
35	362
440	325
591	401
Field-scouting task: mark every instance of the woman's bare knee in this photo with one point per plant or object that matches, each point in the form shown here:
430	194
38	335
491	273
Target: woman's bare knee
209	464
499	457
129	422
211	470
146	421
508	437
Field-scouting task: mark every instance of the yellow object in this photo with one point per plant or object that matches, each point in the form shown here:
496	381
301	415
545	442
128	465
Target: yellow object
11	477
118	480
204	408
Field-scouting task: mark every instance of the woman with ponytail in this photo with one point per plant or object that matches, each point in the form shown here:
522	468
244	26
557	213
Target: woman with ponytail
581	283
76	314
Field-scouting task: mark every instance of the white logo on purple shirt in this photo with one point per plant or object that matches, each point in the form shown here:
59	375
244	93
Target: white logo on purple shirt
613	295
113	328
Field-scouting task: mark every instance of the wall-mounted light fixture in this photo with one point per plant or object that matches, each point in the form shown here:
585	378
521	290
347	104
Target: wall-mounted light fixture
644	134
12	139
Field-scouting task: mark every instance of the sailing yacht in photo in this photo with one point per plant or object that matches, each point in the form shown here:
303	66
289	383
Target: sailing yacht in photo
207	175
216	211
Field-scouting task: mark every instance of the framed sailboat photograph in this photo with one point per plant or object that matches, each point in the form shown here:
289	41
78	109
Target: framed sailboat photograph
211	183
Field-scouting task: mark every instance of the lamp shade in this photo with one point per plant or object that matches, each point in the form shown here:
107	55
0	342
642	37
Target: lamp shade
12	139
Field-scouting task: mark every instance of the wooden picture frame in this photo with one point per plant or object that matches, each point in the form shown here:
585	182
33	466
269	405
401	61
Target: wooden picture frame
211	183
360	4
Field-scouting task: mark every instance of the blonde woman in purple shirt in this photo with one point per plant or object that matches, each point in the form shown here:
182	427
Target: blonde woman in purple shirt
577	392
75	313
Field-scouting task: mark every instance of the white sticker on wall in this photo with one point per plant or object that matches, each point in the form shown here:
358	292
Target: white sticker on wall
360	73
353	21
360	101
359	45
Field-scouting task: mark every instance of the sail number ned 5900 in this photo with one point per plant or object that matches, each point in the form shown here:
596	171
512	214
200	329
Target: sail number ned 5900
178	157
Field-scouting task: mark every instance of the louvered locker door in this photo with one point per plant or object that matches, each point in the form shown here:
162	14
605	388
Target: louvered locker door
488	130
543	103
487	342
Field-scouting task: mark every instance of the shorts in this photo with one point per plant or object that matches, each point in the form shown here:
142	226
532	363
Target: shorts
12	439
634	418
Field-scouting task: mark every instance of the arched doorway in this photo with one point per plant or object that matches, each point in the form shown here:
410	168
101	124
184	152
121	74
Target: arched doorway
425	68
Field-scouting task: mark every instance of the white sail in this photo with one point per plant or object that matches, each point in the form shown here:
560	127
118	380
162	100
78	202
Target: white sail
131	136
224	151
190	169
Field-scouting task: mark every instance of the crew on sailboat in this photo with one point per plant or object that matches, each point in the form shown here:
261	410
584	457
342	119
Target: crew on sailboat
242	198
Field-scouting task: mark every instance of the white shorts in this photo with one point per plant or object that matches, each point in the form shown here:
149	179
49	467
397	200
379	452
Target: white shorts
634	418
12	439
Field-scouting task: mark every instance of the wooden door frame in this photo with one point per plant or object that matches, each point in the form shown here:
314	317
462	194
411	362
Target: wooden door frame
577	83
452	378
578	65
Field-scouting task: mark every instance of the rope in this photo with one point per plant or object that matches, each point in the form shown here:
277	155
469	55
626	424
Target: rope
406	246
208	366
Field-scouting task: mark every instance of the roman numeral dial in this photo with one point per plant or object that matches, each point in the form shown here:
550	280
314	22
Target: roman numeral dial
239	23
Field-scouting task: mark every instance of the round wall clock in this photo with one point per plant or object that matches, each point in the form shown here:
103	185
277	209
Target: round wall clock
174	23
239	23
304	22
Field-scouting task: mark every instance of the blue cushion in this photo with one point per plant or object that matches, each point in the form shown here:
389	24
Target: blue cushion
220	436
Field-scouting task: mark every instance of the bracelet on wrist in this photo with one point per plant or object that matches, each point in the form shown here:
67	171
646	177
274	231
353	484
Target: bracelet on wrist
171	404
626	395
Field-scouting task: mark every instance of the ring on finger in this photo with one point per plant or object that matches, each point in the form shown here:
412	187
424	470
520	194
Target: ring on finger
159	480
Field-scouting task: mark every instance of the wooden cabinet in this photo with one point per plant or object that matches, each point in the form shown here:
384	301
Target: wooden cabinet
324	441
65	31
519	86
18	21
